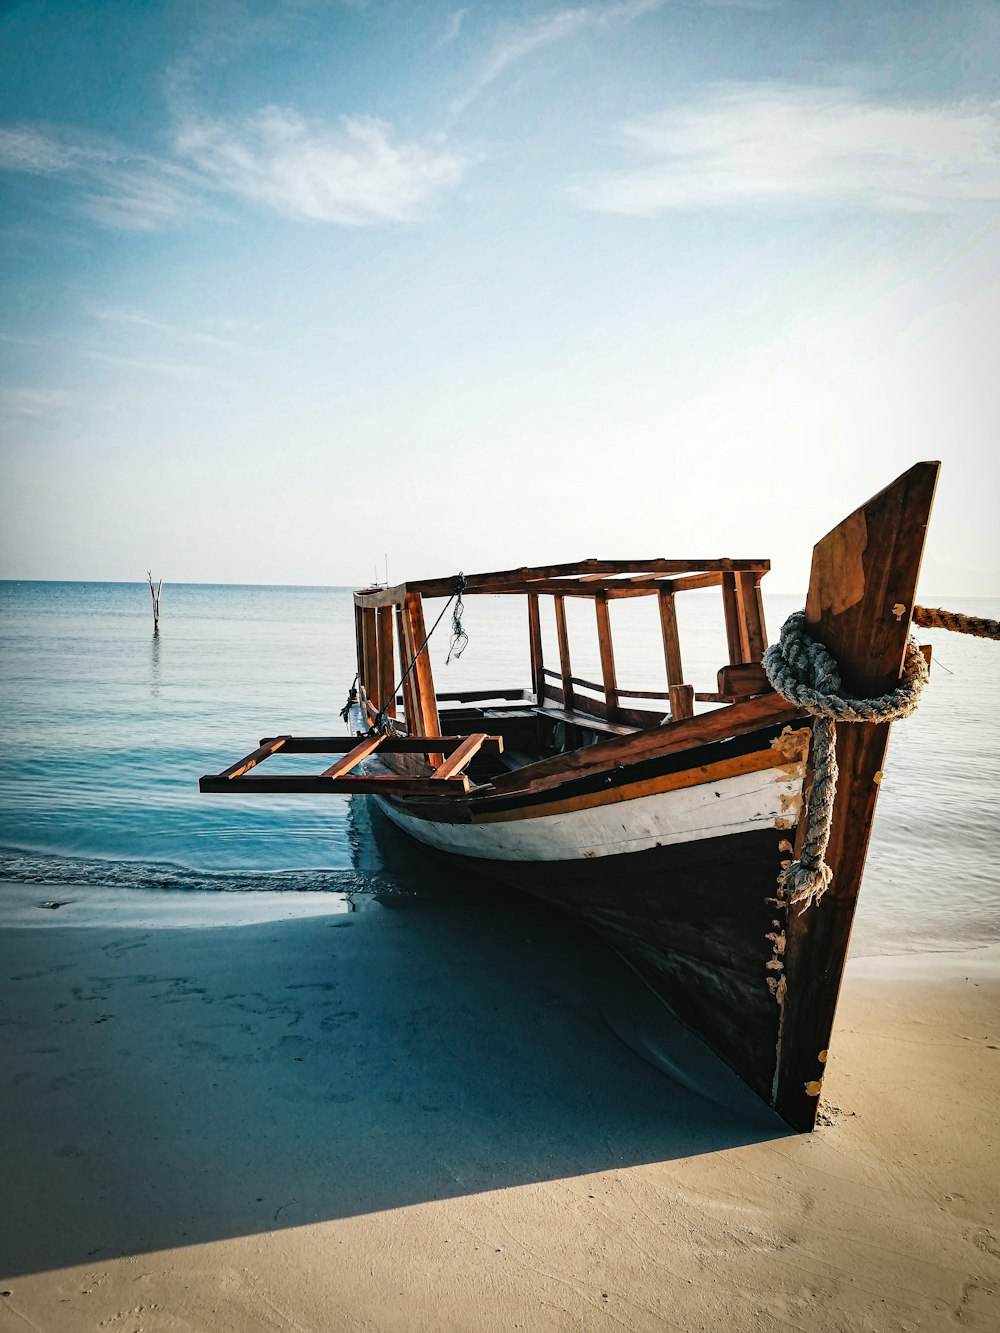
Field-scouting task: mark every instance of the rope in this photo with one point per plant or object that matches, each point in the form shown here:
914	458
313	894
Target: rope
345	712
459	638
803	672
935	617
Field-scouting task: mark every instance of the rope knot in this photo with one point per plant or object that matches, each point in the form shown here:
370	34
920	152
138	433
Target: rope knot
805	673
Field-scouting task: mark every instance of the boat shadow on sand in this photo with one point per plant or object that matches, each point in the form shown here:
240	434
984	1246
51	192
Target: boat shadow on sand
192	1085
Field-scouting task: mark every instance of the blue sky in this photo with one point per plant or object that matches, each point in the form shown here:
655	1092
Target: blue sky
288	287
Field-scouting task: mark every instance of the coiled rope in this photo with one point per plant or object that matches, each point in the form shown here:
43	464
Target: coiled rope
804	672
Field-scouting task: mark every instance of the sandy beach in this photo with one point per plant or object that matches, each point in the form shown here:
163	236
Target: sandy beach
413	1116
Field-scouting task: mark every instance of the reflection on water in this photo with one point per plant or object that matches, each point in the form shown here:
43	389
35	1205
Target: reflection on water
154	664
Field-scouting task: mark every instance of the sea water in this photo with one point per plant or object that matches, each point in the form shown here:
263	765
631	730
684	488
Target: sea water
107	727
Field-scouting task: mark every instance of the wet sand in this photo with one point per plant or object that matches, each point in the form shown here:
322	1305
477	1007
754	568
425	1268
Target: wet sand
416	1117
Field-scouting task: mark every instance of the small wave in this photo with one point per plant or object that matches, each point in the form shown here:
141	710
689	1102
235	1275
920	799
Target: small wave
27	868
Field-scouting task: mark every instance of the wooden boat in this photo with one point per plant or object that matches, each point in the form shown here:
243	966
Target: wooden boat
664	825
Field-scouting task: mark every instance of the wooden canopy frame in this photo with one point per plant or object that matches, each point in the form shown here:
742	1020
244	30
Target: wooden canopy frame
390	616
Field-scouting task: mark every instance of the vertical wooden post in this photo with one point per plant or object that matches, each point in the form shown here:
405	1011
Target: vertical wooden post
386	662
607	654
864	576
681	695
535	649
359	643
735	630
369	654
409	703
565	666
421	675
751	609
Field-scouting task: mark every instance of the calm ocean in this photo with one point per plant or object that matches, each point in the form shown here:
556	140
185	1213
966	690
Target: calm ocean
107	729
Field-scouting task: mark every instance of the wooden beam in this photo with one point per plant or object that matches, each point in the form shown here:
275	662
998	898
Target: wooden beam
263	751
390	744
607	655
409	703
426	704
369	653
735	635
742	681
565	665
752	614
861	591
535	648
681	702
353	757
458	758
735	720
304	784
511	578
671	639
386	661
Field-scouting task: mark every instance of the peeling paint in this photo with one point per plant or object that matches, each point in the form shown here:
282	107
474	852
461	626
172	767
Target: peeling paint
784	846
822	1057
775	965
783	821
793	744
777	938
813	1087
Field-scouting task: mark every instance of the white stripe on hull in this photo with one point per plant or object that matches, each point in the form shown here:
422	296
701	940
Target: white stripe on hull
740	804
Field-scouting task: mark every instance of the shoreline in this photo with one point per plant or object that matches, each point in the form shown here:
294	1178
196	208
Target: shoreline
246	1127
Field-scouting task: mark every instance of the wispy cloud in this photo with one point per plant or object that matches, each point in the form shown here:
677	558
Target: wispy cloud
518	43
135	319
352	173
174	370
117	186
452	28
779	144
31	402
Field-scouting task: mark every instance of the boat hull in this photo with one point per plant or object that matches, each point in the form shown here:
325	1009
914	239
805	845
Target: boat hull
676	865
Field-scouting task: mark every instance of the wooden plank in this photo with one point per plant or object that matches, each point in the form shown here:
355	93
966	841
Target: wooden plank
458	758
762	711
423	678
607	654
535	647
671	639
359	643
565	665
516	578
681	702
306	784
386	661
742	680
735	636
267	747
369	651
577	719
390	744
376	597
409	703
353	757
861	570
752	614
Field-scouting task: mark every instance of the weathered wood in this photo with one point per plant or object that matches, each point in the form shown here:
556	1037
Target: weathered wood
535	647
508	578
565	665
369	655
406	675
671	639
266	748
461	756
576	718
762	711
302	784
353	757
735	631
681	702
390	744
742	680
386	661
607	654
421	675
751	614
867	566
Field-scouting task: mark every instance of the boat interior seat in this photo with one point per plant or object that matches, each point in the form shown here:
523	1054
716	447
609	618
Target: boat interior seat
578	719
